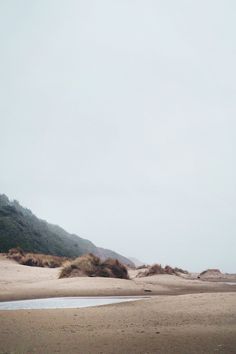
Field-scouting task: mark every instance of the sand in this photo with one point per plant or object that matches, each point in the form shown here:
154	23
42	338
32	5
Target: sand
200	319
23	282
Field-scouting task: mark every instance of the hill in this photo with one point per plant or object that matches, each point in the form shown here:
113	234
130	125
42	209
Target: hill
20	227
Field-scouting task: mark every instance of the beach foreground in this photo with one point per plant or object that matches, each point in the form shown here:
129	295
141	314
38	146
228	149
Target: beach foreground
201	320
199	323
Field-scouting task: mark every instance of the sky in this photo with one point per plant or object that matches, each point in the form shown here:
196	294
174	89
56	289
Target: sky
117	122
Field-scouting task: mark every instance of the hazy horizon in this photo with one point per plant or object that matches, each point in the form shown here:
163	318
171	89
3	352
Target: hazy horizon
118	124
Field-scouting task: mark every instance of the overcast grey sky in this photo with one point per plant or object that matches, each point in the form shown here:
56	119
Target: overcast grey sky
118	123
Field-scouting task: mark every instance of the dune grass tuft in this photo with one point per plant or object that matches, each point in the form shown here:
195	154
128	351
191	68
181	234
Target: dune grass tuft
92	266
158	269
35	259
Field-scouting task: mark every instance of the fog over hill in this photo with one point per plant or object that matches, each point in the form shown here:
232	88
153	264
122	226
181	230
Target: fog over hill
20	227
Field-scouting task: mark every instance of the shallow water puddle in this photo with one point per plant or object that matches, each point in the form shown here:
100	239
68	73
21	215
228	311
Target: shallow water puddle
65	302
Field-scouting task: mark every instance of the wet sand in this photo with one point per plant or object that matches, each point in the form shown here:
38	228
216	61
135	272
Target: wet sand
201	320
200	323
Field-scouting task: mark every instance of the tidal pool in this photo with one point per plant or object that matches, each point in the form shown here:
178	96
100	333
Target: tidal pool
65	302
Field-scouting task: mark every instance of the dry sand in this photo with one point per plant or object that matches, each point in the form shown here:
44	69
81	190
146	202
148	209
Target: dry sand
203	320
23	282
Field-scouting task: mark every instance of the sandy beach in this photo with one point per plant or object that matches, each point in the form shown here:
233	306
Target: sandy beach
188	316
22	282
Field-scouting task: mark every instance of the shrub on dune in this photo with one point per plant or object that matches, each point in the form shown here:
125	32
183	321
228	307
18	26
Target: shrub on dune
35	259
158	269
152	270
143	266
180	270
92	266
16	253
116	268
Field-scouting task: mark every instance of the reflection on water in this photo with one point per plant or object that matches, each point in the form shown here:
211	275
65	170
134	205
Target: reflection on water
64	302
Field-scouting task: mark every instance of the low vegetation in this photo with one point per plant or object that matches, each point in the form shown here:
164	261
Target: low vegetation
92	266
144	266
158	269
35	259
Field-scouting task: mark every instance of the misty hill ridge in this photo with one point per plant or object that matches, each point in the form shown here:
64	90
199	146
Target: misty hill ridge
20	227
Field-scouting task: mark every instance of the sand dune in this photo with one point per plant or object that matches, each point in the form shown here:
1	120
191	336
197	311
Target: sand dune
22	282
